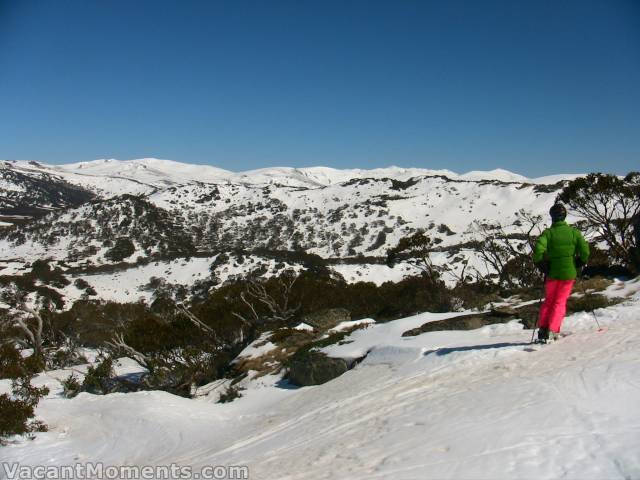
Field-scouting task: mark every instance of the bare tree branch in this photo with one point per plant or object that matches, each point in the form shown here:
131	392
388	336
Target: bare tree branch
276	303
119	344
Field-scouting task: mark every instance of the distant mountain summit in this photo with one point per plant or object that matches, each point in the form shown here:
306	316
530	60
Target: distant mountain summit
160	173
151	171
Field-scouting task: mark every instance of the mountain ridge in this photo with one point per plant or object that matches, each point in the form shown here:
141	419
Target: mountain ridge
169	172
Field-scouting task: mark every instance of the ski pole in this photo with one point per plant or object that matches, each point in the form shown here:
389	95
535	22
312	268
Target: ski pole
593	312
535	325
595	317
533	333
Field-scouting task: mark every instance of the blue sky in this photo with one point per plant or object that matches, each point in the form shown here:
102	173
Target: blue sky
536	87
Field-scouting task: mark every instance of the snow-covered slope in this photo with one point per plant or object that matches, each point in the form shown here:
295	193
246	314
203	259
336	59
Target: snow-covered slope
150	171
497	174
362	217
27	191
104	186
447	405
168	209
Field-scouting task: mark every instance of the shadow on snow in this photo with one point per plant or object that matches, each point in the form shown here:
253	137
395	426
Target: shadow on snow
446	351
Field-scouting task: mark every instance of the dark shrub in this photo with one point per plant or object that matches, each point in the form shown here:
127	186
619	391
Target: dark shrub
81	284
122	249
99	378
11	362
14	366
40	269
18	409
588	303
92	323
476	294
230	394
71	386
67	355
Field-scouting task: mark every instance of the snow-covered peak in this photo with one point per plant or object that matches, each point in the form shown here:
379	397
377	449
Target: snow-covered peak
109	177
162	172
551	179
330	176
498	174
152	171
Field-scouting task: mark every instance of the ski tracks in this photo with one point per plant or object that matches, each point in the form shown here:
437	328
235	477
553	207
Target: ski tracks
566	410
553	413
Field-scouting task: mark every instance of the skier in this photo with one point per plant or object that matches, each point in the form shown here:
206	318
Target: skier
559	253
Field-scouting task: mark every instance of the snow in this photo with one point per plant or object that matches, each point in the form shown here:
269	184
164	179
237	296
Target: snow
153	172
498	174
450	404
622	289
342	326
107	184
258	347
128	285
303	326
371	209
52	378
473	404
551	179
377	274
7	185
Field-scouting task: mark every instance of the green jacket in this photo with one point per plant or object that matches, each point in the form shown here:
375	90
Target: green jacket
560	245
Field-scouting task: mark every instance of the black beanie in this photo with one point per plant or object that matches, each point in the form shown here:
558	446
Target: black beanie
558	212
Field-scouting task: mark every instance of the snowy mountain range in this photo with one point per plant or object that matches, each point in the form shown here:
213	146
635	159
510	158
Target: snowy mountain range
160	211
161	173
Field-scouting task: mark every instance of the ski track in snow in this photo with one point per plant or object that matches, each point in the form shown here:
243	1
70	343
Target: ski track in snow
439	405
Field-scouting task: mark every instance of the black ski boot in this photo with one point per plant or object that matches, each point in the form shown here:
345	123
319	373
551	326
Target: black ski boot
543	335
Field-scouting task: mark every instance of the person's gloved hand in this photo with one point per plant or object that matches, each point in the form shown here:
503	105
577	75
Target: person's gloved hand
579	265
543	266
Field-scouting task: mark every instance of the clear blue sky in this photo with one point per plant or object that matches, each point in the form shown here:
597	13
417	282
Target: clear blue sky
535	87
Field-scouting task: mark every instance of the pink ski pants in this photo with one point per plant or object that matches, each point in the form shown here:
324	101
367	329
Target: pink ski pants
554	307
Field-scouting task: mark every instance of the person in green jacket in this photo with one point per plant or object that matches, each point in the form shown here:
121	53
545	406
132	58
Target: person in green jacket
559	252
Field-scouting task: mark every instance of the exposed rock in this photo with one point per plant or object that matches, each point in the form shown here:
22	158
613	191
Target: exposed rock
504	312
314	368
465	322
326	319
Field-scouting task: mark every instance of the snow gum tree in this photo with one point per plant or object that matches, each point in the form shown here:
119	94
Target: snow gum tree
415	249
17	409
505	250
609	205
23	324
